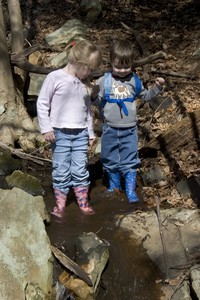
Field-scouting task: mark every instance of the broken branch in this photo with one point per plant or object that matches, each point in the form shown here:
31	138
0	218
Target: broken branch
20	60
71	265
175	74
20	154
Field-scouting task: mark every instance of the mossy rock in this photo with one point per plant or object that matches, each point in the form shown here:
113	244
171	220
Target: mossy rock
7	163
72	30
28	183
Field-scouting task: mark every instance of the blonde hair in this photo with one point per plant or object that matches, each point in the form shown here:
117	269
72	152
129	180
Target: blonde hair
85	52
121	51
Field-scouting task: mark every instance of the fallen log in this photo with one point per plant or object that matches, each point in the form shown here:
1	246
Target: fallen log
141	62
183	133
71	265
151	58
23	155
175	74
20	60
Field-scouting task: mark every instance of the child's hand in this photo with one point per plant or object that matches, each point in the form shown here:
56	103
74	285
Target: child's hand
49	136
95	91
91	142
159	81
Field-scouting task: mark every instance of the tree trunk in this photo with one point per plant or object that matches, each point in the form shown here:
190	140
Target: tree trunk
17	37
6	84
16	125
185	133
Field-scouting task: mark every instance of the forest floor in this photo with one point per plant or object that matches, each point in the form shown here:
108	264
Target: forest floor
172	27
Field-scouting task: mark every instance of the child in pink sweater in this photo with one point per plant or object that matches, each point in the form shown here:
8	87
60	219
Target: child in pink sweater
65	120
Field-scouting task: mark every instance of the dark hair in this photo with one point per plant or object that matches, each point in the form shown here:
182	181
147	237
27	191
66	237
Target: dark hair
122	51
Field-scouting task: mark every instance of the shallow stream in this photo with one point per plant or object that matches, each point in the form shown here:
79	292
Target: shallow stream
129	275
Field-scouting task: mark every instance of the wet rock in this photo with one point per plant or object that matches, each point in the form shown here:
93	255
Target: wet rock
180	229
61	292
176	254
76	287
28	183
92	256
7	163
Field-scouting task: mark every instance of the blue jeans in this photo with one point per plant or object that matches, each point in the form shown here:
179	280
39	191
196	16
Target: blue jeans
119	149
69	159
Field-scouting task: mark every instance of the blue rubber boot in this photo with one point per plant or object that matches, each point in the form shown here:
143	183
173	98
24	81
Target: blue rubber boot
114	181
130	185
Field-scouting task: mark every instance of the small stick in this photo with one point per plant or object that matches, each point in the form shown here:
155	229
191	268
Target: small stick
162	239
186	275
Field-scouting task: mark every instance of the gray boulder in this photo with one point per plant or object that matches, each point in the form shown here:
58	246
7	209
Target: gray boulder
25	253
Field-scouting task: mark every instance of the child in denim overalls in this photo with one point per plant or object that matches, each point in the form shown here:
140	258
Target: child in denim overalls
65	120
116	98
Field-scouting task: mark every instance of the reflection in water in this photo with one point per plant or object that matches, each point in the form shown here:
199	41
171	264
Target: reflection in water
130	274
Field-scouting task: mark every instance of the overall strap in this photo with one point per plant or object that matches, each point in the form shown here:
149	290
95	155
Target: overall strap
107	85
107	88
120	102
138	86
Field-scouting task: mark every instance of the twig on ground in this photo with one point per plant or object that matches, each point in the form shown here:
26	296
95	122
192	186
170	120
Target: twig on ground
23	155
162	240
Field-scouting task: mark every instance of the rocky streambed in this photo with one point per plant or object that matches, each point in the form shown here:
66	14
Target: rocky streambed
153	253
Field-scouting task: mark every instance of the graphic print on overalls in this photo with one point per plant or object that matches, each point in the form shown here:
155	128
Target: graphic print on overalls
120	91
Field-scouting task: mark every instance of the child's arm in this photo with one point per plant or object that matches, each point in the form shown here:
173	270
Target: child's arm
44	105
148	94
90	123
97	92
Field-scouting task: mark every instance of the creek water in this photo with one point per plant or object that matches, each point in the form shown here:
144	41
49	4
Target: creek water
129	274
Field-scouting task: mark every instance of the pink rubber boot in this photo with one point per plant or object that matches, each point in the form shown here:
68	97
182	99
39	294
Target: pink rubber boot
61	199
81	194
